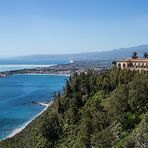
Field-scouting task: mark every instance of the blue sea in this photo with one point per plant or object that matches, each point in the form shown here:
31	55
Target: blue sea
16	93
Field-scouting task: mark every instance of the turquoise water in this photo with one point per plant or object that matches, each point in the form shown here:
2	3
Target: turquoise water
16	93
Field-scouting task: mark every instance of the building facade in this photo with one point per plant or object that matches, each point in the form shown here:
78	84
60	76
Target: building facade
133	64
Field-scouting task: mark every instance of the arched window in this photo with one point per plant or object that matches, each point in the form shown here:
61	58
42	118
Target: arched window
131	65
119	65
124	65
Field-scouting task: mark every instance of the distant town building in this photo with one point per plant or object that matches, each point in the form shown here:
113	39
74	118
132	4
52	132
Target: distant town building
2	75
133	64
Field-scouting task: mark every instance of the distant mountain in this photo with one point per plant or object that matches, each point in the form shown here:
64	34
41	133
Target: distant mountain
103	55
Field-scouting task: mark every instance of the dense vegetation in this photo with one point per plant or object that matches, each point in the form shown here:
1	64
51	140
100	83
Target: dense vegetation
95	111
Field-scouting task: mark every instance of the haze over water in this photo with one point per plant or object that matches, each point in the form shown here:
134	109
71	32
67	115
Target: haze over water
9	64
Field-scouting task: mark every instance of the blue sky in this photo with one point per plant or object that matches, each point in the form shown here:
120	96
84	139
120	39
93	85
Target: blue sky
69	26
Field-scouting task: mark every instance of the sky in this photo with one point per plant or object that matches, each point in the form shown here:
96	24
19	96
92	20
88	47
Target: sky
30	27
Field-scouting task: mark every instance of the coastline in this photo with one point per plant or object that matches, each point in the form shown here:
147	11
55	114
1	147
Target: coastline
4	68
54	74
46	105
18	130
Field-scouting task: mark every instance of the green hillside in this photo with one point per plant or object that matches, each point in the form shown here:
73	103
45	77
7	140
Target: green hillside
96	111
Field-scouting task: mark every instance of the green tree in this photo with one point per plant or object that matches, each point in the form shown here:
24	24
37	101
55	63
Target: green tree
118	105
68	90
114	63
102	139
138	95
51	129
134	56
145	55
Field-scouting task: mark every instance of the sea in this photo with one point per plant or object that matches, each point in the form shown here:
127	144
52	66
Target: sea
16	64
17	92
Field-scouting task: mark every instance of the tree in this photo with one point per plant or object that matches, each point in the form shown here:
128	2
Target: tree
134	56
114	63
138	94
68	90
145	55
102	139
51	128
118	104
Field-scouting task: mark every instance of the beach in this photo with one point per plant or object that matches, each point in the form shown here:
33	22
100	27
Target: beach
23	98
18	130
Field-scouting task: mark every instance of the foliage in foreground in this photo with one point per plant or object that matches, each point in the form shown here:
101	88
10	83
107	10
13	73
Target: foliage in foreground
95	111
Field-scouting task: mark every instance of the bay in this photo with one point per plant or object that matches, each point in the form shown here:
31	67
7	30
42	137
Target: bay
16	93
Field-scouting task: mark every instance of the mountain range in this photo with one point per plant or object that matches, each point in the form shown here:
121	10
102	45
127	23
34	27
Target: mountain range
102	55
64	58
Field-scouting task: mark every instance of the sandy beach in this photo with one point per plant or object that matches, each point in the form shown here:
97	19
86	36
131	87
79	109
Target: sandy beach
23	126
19	128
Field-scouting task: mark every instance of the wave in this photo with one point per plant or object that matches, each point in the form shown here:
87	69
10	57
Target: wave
18	130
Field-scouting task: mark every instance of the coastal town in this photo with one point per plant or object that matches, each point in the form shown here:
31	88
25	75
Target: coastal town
132	63
2	75
64	69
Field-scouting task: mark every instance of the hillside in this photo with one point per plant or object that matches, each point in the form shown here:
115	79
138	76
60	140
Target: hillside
95	111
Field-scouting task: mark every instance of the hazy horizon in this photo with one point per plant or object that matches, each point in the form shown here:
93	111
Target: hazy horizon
34	27
53	54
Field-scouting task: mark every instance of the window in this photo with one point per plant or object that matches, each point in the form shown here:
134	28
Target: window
119	65
124	65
